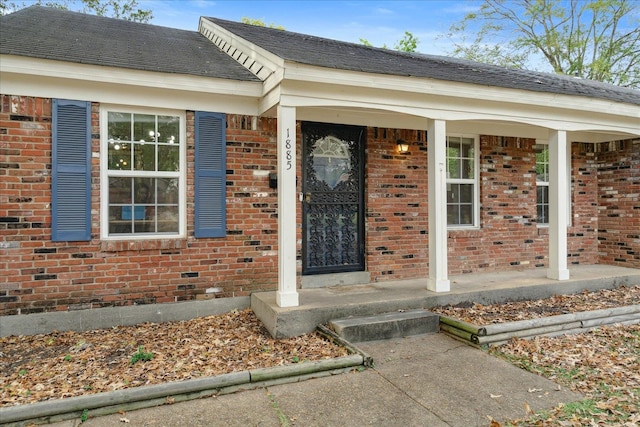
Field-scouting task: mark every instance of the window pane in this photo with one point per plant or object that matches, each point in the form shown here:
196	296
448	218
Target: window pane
167	191
118	222
144	157
543	194
542	163
453	193
466	215
169	129
453	215
543	214
543	204
168	219
465	193
453	142
453	167
144	190
120	190
144	127
119	127
119	155
467	148
453	155
466	169
168	158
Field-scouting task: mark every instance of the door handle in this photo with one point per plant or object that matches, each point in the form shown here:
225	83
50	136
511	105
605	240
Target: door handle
307	197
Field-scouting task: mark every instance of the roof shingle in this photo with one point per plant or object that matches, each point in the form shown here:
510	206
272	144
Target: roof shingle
321	52
86	39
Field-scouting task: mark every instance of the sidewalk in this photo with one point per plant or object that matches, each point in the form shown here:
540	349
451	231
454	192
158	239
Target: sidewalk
426	380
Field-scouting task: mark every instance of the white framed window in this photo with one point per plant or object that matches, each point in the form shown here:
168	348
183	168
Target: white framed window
541	149
542	183
462	181
143	173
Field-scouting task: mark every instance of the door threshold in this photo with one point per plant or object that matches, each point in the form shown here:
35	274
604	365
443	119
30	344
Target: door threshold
336	279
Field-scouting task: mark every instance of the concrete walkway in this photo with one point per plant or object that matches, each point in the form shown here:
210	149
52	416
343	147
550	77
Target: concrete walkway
425	380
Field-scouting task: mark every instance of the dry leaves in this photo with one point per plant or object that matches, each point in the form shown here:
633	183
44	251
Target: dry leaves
65	364
604	364
479	314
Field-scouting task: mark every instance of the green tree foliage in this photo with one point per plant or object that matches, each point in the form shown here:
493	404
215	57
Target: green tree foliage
122	9
365	42
260	23
592	39
408	43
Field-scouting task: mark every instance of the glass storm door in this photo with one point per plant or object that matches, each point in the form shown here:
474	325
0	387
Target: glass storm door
333	189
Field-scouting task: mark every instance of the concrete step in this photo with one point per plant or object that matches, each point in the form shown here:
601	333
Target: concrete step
386	325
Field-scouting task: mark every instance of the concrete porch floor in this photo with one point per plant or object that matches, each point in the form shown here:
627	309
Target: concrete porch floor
319	305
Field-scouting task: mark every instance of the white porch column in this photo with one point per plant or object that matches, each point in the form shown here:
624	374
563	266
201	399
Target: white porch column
437	173
287	293
558	204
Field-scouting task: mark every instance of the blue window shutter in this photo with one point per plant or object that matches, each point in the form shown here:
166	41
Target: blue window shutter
71	171
210	165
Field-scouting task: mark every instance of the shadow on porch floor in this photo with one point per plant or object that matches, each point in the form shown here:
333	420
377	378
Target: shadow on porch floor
319	305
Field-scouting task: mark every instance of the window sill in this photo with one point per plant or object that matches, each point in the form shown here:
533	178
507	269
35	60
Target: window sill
463	228
462	232
150	243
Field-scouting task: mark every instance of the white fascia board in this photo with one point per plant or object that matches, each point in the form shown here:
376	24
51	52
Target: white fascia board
387	119
269	101
466	91
463	107
55	79
37	67
452	109
259	61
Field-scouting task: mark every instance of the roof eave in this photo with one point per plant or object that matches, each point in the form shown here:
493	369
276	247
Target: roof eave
296	72
58	79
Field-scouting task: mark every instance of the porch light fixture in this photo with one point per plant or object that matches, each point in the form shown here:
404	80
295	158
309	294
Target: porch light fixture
403	146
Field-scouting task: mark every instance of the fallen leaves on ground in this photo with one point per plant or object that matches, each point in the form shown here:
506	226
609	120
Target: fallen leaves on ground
603	364
66	364
479	314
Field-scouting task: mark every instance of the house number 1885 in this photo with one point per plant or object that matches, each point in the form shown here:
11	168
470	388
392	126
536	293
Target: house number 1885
287	146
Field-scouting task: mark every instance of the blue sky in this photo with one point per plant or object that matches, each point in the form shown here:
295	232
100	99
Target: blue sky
380	22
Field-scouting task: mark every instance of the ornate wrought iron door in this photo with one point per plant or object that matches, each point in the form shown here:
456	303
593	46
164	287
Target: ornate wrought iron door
333	203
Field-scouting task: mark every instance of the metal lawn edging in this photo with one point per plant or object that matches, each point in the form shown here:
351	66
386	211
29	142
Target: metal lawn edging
499	333
158	394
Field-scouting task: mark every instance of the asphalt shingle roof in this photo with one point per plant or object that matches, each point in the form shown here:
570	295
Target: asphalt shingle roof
86	39
317	51
76	37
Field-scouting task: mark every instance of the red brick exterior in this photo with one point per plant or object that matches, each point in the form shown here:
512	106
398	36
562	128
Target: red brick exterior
40	275
619	203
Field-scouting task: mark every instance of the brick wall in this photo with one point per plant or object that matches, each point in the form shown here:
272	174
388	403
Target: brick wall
619	203
508	233
396	213
508	237
582	239
40	275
